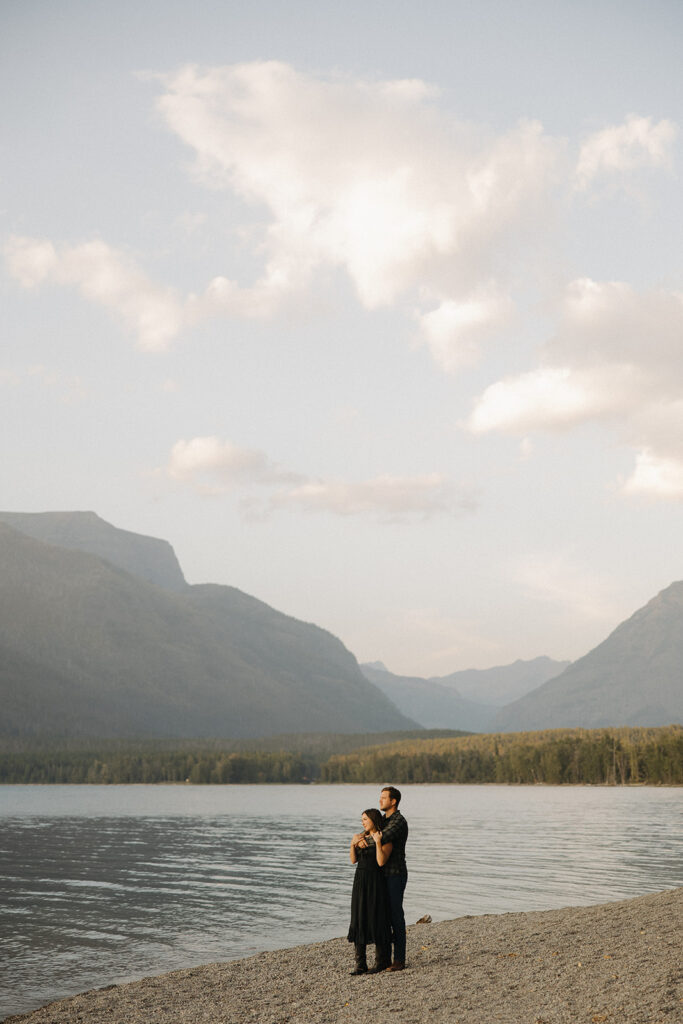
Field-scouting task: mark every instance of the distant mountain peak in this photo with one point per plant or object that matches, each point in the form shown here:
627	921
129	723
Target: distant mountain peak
634	677
148	558
89	650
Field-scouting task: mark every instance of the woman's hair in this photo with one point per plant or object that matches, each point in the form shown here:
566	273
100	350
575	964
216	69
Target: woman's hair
375	817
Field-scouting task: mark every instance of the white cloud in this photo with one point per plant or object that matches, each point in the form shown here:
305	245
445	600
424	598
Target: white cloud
213	466
364	176
638	142
30	260
656	476
216	466
552	398
390	497
367	178
617	357
104	276
453	330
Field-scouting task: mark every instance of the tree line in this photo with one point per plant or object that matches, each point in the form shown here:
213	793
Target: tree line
651	756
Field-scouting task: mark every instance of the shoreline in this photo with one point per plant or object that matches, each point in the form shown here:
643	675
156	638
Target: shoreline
317	782
610	962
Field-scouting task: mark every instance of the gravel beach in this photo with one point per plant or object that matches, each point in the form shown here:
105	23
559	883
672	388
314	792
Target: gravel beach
616	962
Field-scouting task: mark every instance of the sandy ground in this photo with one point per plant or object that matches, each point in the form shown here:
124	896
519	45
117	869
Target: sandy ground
617	962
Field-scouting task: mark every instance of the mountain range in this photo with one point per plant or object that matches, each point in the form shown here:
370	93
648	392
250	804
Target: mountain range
472	697
634	677
101	636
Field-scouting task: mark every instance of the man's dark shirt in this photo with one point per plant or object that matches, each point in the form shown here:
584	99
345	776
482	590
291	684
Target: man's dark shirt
395	831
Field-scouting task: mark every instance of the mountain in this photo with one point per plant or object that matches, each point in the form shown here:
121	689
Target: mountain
468	699
505	683
151	559
89	649
430	703
634	677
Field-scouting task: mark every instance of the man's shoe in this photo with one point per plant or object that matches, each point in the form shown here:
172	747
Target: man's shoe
398	965
378	968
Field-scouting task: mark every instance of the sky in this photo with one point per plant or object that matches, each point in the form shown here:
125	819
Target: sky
373	310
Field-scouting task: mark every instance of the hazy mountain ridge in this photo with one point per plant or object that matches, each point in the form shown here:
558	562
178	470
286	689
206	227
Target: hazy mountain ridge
90	649
449	701
149	558
634	677
101	636
502	684
430	703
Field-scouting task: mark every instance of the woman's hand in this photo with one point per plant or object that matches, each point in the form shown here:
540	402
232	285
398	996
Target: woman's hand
357	836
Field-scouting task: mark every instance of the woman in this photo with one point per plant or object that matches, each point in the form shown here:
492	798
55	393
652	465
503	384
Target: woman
369	901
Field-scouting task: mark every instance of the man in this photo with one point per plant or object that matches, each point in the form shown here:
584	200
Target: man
395	831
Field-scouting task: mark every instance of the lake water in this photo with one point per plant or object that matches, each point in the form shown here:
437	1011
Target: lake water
104	884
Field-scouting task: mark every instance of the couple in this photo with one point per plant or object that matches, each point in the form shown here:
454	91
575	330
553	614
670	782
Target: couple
380	880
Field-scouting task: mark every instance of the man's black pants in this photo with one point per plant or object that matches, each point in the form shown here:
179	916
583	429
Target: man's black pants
396	885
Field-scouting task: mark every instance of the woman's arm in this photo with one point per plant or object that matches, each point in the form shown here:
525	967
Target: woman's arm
383	852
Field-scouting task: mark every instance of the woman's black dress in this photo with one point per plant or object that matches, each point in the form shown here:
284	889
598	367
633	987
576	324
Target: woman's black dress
369	901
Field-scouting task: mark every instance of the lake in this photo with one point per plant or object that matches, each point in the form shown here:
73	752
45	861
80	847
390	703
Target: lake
105	884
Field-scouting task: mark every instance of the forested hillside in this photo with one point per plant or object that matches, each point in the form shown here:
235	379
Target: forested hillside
558	756
563	756
88	649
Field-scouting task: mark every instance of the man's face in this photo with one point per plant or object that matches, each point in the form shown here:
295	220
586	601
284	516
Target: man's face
385	801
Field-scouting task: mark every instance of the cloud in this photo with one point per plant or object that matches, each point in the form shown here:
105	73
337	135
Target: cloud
558	581
453	330
618	149
391	497
549	398
366	177
104	276
213	466
370	179
656	476
616	358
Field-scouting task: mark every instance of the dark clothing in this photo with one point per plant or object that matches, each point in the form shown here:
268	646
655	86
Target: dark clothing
396	886
395	831
369	901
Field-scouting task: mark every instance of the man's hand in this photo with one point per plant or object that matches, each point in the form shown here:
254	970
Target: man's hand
377	836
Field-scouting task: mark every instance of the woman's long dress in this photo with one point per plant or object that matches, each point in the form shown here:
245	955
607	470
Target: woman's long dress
369	901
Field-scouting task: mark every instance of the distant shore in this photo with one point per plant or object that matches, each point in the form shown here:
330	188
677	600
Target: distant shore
572	756
615	962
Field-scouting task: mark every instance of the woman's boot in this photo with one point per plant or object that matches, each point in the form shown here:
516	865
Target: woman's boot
361	959
382	958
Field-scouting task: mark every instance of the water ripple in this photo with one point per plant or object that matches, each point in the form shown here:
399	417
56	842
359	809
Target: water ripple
103	884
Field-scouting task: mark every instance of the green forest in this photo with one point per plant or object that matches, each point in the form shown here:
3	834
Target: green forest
609	756
625	756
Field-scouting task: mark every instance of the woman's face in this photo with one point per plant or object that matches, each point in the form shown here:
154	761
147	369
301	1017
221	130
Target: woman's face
368	823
